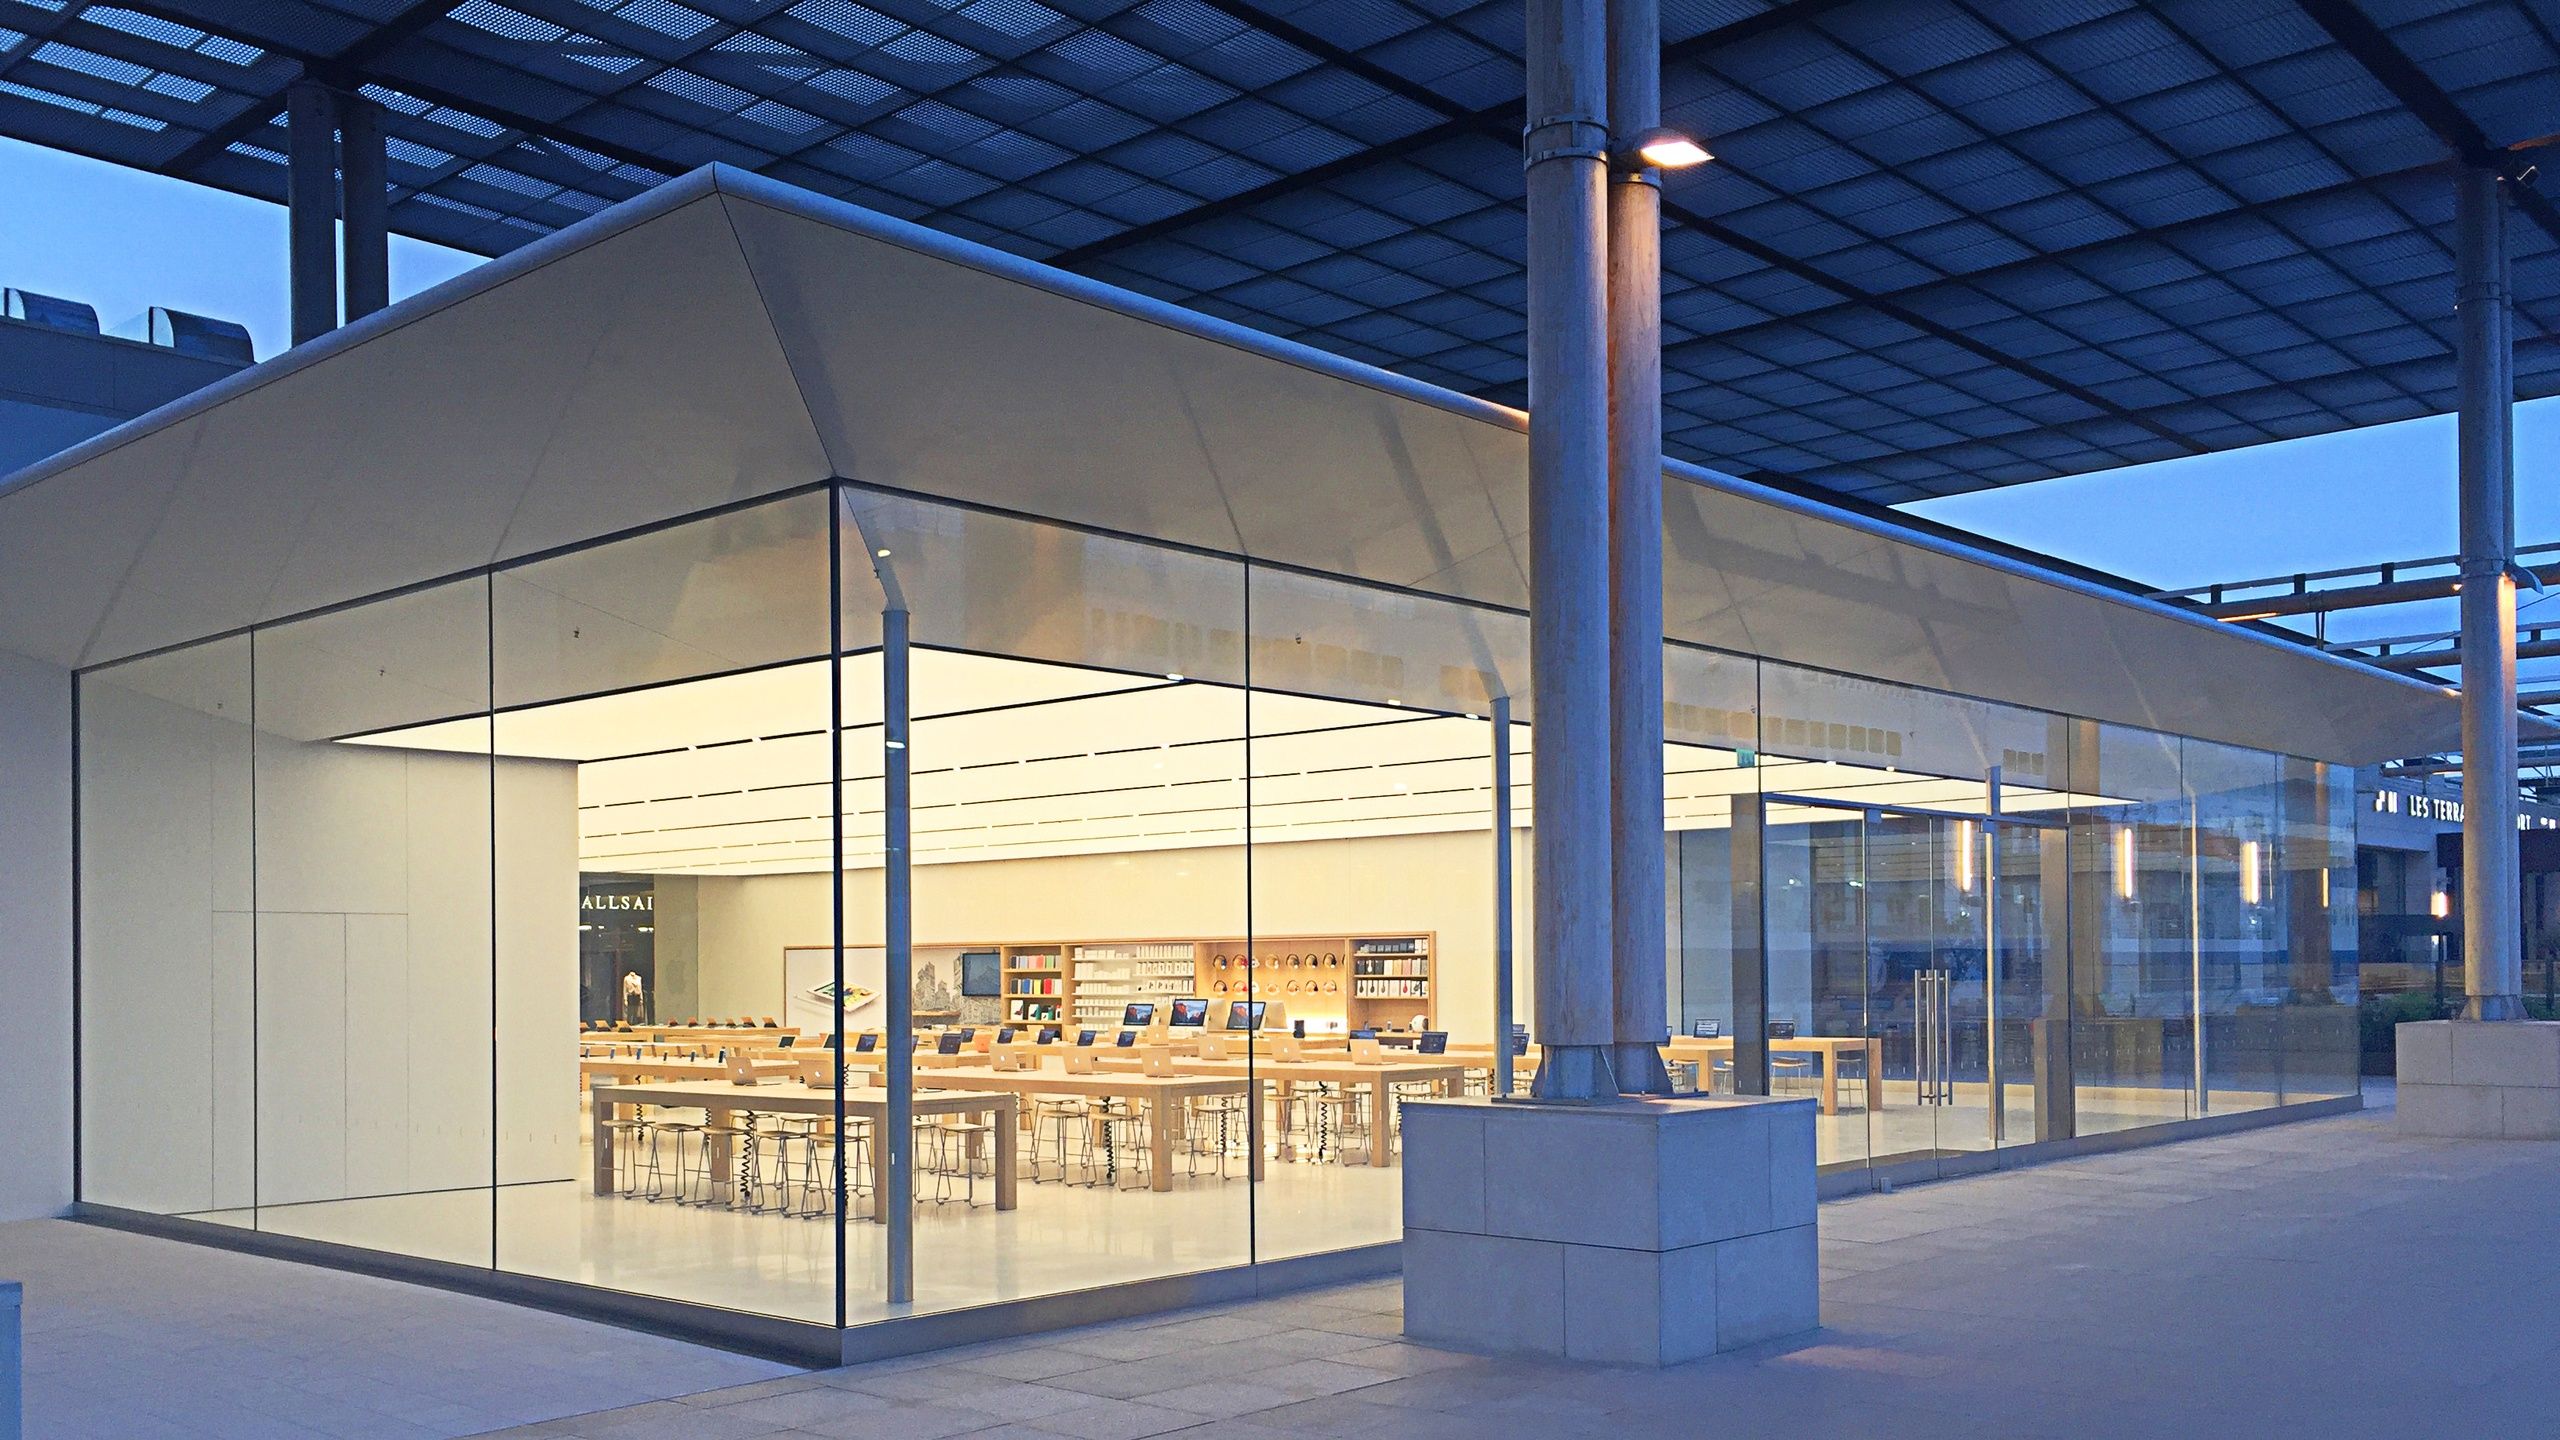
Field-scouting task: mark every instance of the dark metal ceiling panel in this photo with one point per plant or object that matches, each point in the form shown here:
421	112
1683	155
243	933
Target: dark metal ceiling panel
1946	243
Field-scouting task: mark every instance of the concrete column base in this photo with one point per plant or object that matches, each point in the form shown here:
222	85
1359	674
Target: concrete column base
1632	1232
2480	1080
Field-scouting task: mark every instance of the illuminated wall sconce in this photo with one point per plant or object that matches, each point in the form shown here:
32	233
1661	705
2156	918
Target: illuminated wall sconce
2124	862
1964	856
2252	890
2440	905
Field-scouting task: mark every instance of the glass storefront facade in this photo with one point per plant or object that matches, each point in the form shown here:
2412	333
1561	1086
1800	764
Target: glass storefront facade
447	924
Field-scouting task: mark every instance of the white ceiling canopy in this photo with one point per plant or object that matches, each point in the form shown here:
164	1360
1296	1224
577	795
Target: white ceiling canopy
726	337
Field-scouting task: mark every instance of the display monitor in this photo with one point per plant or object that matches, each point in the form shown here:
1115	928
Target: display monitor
864	1044
1084	1037
968	1033
1004	1034
1139	1015
783	1042
1706	1029
948	1042
1782	1029
1245	1015
1365	1032
1048	1035
1433	1042
1191	1012
1127	1039
979	973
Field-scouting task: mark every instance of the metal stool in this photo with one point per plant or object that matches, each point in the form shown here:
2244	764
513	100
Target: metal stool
1063	1117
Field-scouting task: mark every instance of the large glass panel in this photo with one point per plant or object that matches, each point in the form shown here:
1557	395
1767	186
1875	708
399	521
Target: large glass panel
1822	974
2243	985
168	1093
1374	827
1079	869
1949	908
2132	969
375	926
1709	725
665	853
2320	1056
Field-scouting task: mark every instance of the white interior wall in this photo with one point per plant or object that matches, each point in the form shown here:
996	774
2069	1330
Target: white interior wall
35	937
355	1059
1437	883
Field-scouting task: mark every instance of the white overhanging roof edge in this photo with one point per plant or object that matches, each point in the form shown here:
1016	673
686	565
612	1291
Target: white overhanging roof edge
719	179
2390	691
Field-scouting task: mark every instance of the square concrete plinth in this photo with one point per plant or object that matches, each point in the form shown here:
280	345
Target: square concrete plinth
2485	1080
1639	1232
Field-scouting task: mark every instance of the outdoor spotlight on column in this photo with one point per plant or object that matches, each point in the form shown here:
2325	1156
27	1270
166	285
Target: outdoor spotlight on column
1663	148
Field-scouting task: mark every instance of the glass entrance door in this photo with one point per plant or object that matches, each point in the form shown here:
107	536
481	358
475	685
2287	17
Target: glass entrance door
1922	932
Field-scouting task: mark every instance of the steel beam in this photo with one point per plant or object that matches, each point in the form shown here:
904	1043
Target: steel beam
362	183
1640	989
311	208
2493	968
1566	159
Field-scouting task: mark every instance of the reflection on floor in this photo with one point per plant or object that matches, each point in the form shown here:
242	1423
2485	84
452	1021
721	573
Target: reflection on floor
1061	1238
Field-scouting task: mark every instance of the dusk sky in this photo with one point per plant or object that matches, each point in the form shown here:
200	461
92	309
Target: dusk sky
123	241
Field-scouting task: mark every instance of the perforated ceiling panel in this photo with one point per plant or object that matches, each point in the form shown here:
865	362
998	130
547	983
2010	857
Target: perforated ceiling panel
1945	243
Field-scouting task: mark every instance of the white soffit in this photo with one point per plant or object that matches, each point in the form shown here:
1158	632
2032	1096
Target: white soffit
725	337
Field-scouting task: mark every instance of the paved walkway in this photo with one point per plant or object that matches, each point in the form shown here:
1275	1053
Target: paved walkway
132	1338
2328	1280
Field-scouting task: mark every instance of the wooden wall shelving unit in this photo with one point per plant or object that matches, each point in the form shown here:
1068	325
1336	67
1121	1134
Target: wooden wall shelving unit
1333	982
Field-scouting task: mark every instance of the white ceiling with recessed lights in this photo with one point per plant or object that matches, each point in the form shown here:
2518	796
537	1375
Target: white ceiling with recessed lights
730	775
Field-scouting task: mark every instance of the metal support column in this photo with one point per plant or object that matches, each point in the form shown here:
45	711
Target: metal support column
311	208
896	1160
1751	948
2492	963
1567	177
1640	990
362	179
1502	842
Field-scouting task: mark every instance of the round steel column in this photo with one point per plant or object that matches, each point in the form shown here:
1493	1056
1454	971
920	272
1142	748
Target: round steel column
1567	165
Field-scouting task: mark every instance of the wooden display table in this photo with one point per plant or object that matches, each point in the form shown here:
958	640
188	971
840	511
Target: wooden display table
604	1069
1378	1077
1164	1095
1829	1047
725	1102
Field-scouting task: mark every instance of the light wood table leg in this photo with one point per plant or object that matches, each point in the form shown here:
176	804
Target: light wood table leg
1830	1082
1382	1127
1008	1142
1872	1087
1282	1092
1161	1120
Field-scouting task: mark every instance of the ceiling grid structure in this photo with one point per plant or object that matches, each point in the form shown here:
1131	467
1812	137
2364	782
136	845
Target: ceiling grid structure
1945	244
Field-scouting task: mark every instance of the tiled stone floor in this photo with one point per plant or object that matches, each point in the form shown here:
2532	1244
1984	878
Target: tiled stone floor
2330	1279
